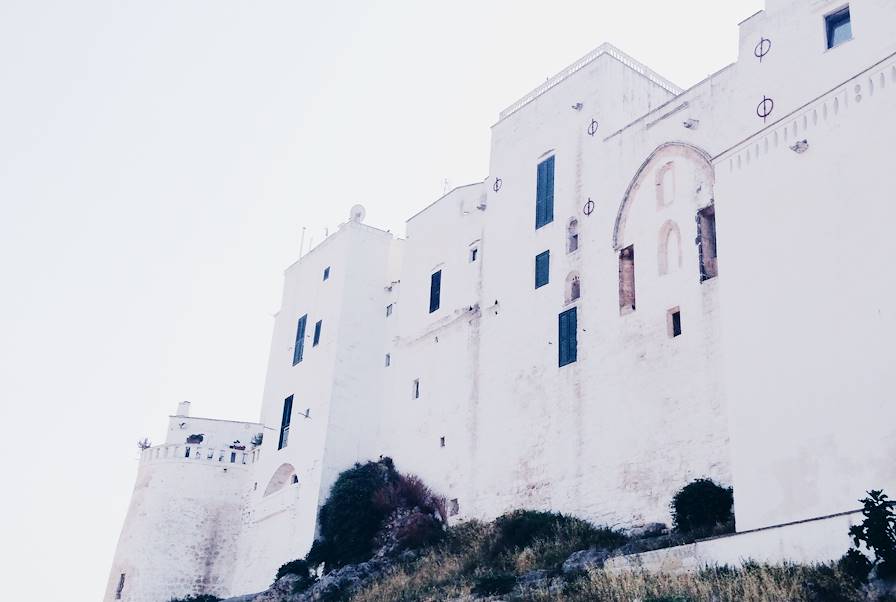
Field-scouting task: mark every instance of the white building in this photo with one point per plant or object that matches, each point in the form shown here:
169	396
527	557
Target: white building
562	335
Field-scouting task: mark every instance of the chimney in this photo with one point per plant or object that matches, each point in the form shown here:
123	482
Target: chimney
183	408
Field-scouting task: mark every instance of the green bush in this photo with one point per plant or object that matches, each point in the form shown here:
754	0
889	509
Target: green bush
197	598
878	533
703	506
519	528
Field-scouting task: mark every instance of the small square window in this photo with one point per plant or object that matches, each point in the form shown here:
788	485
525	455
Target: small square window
673	322
327	273
388	359
416	388
389	310
838	27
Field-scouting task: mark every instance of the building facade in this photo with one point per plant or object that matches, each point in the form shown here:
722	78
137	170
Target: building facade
652	285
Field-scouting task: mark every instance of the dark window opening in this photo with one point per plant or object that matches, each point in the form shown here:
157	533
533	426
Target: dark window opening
187	453
416	388
295	479
120	587
542	269
299	349
388	310
388	359
474	254
435	291
674	322
838	27
544	195
568	348
233	457
627	279
706	242
572	236
327	273
441	441
284	422
317	327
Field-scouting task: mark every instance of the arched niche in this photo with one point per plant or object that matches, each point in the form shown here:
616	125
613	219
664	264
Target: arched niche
668	248
686	158
573	287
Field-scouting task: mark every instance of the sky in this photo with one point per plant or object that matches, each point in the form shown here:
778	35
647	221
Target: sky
158	162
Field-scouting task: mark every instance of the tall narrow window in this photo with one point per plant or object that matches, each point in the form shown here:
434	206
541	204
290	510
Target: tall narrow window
327	273
415	390
284	422
299	349
627	279
435	290
568	347
388	360
673	322
388	310
474	254
573	287
317	328
572	236
706	242
544	194
542	269
120	587
838	27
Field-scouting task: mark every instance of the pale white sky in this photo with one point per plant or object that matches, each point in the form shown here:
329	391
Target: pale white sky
157	162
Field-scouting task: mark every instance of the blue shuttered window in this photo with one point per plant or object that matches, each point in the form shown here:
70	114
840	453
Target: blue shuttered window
299	349
284	422
435	291
542	269
544	196
317	333
568	344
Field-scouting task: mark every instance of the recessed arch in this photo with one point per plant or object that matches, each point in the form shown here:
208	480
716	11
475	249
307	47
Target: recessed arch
663	153
668	248
282	476
665	185
573	289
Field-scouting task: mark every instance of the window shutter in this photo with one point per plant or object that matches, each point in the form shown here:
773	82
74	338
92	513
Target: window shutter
435	291
542	269
299	350
284	422
568	348
544	193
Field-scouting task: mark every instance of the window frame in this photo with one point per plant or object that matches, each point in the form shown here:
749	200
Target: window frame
546	257
568	345
326	273
298	352
832	21
285	421
435	291
317	328
545	183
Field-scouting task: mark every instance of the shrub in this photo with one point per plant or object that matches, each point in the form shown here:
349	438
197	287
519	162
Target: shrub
878	533
519	528
300	569
494	584
197	598
856	565
703	506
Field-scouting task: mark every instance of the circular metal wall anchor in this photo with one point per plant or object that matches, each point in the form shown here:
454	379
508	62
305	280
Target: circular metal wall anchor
765	108
762	48
588	209
592	127
497	185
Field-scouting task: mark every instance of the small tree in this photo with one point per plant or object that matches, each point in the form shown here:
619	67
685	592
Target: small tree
703	506
877	532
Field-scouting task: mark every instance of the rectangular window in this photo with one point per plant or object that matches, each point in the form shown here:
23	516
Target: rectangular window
388	310
838	27
568	343
544	194
474	253
284	422
542	269
627	280
120	587
388	360
435	291
673	322
317	333
706	239
441	441
299	349
327	273
416	389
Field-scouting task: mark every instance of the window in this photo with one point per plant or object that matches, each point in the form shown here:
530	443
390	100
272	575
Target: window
673	322
627	280
388	360
295	479
299	349
572	236
706	242
542	269
284	422
573	287
441	441
416	389
568	347
120	587
435	290
453	507
317	333
388	310
327	273
474	254
187	453
544	193
838	27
